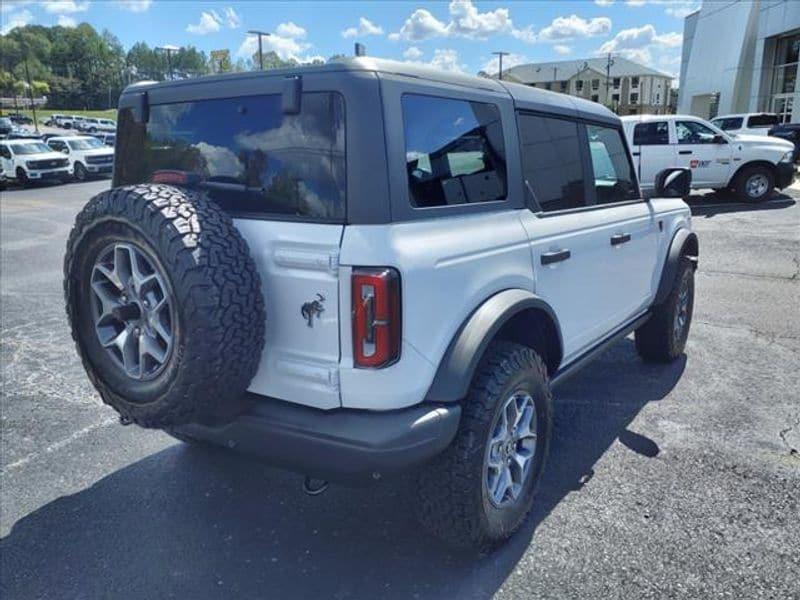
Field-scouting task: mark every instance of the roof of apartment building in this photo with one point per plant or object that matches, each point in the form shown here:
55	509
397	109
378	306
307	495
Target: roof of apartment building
565	69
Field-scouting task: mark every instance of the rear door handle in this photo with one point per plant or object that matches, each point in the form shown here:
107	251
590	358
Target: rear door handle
548	258
620	238
684	151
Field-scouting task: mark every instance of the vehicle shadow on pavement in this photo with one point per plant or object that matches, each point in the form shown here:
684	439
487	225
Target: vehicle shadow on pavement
191	522
713	204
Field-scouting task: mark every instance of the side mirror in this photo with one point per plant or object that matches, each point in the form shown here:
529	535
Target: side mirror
675	182
720	139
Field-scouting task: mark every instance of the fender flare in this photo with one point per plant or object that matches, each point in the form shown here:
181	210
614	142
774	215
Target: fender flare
684	242
457	367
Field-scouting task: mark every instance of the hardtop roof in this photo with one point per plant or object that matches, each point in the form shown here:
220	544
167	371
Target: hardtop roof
524	96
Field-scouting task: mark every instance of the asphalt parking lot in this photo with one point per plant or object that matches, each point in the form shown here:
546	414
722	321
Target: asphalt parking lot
664	481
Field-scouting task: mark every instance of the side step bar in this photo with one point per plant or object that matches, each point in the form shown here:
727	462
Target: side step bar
576	365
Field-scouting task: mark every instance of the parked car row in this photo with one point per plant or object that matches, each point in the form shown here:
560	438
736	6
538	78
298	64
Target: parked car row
60	158
84	124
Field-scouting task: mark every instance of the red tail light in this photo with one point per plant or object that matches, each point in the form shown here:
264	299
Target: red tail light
376	317
175	177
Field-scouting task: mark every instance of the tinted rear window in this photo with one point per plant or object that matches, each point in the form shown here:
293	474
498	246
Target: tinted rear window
654	133
455	153
250	156
728	124
762	120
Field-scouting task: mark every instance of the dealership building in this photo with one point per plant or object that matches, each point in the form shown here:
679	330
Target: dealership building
741	57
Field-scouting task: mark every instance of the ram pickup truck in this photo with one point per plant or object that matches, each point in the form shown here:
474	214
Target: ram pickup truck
751	166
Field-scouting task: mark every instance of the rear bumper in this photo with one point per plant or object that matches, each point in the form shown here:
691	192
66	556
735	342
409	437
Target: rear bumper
784	175
339	445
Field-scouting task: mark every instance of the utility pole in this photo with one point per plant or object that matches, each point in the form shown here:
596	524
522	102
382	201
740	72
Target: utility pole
30	95
169	50
609	64
500	71
260	34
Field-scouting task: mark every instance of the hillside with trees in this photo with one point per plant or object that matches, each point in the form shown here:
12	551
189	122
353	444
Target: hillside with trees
79	68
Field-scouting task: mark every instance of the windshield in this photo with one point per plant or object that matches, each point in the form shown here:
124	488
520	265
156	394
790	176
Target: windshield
85	144
31	148
106	122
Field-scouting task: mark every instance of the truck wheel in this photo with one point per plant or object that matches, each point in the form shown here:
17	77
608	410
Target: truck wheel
480	489
754	184
165	305
663	337
80	172
22	177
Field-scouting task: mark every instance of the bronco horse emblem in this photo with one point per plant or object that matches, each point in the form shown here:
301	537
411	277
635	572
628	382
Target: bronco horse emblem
311	309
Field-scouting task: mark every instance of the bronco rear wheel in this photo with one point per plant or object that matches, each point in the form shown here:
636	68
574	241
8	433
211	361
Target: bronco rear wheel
165	305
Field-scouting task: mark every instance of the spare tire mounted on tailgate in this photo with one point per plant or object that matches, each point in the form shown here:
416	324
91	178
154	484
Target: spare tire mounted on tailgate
165	305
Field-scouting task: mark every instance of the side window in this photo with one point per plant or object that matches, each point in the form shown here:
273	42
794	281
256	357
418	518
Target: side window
5	152
730	124
762	121
693	132
654	133
613	173
551	161
455	153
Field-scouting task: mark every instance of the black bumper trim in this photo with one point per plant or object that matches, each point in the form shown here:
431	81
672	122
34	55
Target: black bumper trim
338	445
784	175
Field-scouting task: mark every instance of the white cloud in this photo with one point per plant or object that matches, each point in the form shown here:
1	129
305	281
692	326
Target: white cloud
290	30
287	42
8	6
635	2
135	6
17	19
232	19
604	2
682	11
465	21
365	28
562	49
573	26
209	23
412	53
65	6
639	43
421	25
492	66
66	21
447	60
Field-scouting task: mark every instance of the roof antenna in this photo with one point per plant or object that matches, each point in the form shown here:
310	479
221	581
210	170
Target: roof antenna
360	49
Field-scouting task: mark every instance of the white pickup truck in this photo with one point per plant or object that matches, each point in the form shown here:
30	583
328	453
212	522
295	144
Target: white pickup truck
752	166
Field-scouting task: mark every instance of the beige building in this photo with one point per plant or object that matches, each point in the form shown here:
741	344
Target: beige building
624	86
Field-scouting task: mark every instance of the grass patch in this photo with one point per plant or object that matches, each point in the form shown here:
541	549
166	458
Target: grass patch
43	113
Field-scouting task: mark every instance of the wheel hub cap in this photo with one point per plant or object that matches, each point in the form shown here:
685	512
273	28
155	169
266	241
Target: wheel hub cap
756	185
682	311
511	449
132	310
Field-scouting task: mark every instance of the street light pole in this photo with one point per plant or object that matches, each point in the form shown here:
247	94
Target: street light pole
260	34
169	50
500	71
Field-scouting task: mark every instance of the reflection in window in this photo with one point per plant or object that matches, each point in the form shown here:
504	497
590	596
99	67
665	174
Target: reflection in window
455	152
692	132
613	172
551	161
246	152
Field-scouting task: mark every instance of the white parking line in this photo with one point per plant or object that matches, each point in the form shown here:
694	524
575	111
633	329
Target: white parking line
59	444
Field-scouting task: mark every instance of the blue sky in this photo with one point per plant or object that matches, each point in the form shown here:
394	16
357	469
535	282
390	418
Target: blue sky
457	35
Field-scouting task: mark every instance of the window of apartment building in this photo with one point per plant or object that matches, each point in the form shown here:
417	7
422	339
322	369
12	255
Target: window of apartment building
634	98
616	83
595	98
595	84
548	86
615	98
635	82
579	86
563	85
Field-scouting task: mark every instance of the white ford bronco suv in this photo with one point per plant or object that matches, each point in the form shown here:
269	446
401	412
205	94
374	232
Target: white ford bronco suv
368	267
749	165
